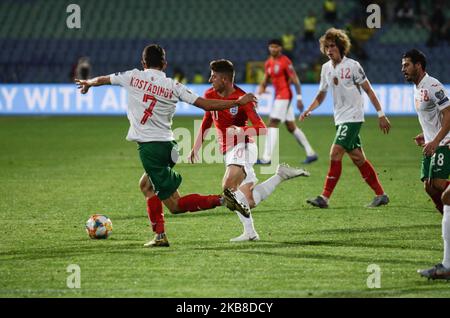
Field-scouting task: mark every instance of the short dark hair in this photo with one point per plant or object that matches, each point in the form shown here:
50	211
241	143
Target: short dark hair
275	41
224	67
154	56
416	56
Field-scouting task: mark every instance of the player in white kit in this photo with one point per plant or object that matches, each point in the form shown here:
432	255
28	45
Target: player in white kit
433	108
347	79
152	99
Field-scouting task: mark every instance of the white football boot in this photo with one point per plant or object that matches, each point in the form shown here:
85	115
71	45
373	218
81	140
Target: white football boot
246	237
286	172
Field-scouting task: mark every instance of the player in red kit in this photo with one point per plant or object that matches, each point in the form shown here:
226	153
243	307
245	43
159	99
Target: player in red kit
280	70
239	149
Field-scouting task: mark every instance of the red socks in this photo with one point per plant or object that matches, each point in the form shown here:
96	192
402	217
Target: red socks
332	178
197	202
156	214
191	203
367	172
370	176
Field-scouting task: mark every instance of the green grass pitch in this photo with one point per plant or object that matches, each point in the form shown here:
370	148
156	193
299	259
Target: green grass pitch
56	171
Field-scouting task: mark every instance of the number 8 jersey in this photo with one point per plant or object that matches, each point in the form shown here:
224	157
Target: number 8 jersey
430	98
152	100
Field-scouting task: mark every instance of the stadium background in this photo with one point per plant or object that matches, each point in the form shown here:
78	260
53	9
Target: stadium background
55	171
38	47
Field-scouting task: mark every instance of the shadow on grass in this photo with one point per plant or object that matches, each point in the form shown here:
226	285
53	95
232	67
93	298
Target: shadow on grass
94	248
375	229
132	246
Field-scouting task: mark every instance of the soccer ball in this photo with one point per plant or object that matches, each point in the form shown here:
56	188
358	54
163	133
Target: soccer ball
99	226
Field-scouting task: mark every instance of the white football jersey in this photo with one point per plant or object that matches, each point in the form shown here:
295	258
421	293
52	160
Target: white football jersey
430	99
345	80
152	99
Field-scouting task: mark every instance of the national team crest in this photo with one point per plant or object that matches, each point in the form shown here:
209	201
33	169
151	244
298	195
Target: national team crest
276	68
234	110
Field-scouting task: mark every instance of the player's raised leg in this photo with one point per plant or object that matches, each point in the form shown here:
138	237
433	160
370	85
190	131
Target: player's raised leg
192	202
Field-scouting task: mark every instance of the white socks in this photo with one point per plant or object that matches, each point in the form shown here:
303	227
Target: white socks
271	140
301	139
446	235
264	189
246	222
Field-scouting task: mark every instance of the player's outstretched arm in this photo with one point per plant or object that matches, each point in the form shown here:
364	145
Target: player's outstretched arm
219	104
84	85
316	103
383	123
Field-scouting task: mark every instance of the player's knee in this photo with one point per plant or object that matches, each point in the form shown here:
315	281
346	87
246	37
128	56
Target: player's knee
438	185
144	184
251	202
174	208
335	155
273	123
175	211
358	161
291	127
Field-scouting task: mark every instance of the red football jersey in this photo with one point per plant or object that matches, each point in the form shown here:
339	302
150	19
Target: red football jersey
279	69
235	116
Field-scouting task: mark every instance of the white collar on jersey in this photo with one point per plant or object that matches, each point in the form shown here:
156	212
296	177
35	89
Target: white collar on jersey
343	59
423	79
155	72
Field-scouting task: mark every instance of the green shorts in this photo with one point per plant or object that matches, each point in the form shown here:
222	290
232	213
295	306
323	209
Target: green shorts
437	166
347	136
158	159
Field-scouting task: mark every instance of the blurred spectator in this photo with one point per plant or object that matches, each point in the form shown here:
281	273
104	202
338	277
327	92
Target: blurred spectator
312	74
357	47
436	26
404	13
309	25
330	11
198	78
179	76
81	70
288	41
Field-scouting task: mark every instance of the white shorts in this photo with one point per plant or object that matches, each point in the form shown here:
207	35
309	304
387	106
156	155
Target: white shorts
243	155
282	109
